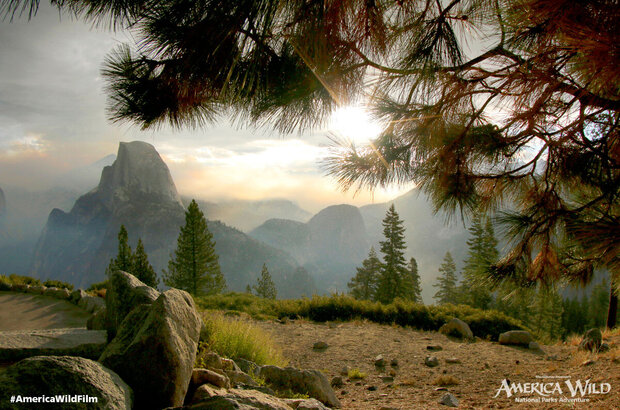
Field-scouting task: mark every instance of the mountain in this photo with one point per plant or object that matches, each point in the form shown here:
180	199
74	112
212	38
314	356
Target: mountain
330	245
85	178
137	191
247	215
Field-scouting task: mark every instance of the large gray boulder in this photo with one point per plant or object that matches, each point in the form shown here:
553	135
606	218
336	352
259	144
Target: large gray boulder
155	349
311	382
125	292
64	375
457	328
91	304
241	399
516	337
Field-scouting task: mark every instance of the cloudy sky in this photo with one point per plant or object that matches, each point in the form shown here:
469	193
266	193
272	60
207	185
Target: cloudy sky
52	120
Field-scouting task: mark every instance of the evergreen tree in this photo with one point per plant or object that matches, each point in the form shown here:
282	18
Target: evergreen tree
195	266
481	255
415	279
265	288
394	280
248	289
141	268
124	258
363	285
446	282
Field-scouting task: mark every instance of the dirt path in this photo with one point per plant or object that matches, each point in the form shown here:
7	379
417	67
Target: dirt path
482	367
20	311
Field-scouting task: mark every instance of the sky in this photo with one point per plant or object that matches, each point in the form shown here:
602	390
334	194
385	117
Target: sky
53	120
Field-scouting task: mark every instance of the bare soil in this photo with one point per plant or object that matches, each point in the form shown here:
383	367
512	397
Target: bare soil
23	311
483	365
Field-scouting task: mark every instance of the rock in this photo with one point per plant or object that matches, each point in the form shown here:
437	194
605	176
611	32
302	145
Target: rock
229	364
337	382
394	363
387	379
57	293
320	346
155	349
37	290
604	348
344	371
206	391
457	328
76	295
61	375
305	404
431	361
449	400
91	303
371	388
97	320
379	361
125	292
247	366
19	344
311	382
242	400
592	340
452	360
238	377
20	287
434	348
535	347
202	376
211	360
516	337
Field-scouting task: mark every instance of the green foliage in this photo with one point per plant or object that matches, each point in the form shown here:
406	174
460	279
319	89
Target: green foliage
476	288
20	280
446	282
363	285
141	268
257	307
239	338
356	374
98	286
265	288
195	266
416	290
124	258
51	283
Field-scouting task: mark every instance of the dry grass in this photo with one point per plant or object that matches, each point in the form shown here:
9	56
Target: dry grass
609	333
580	356
445	380
356	374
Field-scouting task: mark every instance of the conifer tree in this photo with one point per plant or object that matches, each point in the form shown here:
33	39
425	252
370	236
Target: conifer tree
394	280
446	282
124	258
363	285
248	289
141	268
415	279
482	253
195	266
265	288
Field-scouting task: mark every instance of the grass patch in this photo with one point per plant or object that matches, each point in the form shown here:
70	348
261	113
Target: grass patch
356	374
256	307
445	380
235	337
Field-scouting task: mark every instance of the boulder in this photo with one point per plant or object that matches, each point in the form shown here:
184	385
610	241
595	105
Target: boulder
20	287
20	344
125	292
237	378
37	289
202	376
211	360
155	349
97	320
449	400
311	382
431	361
592	340
380	361
229	364
516	337
58	293
457	328
91	303
76	295
305	404
242	400
247	366
64	375
206	391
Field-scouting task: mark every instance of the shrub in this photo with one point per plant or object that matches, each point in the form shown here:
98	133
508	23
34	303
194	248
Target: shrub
23	280
356	374
51	283
97	286
258	308
238	338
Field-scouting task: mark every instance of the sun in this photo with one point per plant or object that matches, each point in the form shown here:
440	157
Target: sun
355	124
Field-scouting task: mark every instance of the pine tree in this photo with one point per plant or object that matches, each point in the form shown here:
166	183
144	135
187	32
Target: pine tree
141	268
195	266
415	279
481	255
363	285
265	288
124	258
394	280
248	289
446	282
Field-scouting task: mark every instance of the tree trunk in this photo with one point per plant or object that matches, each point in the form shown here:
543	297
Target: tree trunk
613	306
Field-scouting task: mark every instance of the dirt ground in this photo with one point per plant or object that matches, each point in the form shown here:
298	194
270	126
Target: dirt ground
483	365
21	311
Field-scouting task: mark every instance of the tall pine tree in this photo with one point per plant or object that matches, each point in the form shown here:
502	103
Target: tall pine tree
363	285
195	266
394	280
482	253
416	292
141	268
446	282
265	288
124	258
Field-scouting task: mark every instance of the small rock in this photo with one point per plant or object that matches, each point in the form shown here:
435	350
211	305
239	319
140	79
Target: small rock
379	361
588	362
247	366
202	376
604	348
240	378
392	373
387	379
488	366
592	340
553	357
515	337
320	346
457	328
212	360
441	389
434	348
535	347
305	404
206	391
452	360
371	388
394	362
431	361
449	400
344	371
337	382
